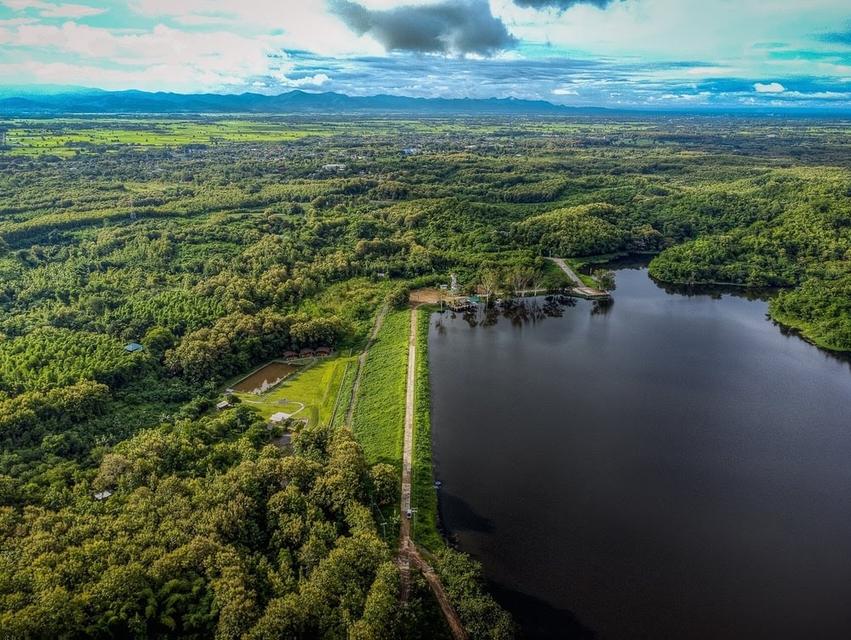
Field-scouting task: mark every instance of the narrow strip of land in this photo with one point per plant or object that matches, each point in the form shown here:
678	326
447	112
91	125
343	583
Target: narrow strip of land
574	277
376	327
580	289
408	552
405	543
408	446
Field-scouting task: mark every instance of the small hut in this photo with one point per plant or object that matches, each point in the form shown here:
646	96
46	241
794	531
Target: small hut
306	353
322	352
290	355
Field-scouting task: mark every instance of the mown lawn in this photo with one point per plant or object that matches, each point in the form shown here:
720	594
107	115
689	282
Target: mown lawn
379	416
316	389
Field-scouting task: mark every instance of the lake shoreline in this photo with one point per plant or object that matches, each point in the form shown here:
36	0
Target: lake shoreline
546	459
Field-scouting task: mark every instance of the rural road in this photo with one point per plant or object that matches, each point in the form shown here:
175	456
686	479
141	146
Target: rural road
570	272
579	288
408	446
408	553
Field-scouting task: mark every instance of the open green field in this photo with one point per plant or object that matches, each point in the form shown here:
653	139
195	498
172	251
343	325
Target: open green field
379	415
310	394
67	136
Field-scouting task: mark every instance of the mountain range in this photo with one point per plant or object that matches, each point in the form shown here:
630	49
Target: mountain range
23	101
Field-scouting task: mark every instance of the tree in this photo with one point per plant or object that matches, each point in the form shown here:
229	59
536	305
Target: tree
385	483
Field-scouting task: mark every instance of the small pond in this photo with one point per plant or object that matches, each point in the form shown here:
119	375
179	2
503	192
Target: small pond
265	378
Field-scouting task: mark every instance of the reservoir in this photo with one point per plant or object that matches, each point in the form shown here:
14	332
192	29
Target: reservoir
674	466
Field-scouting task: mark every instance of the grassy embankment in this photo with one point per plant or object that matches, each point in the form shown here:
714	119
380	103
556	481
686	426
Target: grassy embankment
577	265
552	277
379	415
423	495
344	395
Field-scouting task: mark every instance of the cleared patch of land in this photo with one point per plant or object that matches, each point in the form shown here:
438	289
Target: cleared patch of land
311	394
429	295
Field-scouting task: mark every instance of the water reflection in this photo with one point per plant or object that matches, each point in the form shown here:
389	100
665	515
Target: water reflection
669	466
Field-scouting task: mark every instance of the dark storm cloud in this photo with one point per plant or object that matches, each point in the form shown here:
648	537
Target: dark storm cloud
561	5
451	27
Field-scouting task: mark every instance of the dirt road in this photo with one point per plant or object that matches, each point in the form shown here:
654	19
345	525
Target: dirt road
408	553
580	289
570	272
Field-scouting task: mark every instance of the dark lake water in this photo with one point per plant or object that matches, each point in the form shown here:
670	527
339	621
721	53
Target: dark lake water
673	468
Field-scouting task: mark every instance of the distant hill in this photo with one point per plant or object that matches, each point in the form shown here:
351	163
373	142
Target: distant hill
18	101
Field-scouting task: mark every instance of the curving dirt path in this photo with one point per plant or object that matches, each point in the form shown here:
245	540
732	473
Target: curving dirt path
449	613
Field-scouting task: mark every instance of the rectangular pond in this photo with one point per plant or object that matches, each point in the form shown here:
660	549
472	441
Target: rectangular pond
265	378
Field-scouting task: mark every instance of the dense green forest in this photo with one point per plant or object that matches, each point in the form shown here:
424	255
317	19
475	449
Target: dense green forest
211	533
219	254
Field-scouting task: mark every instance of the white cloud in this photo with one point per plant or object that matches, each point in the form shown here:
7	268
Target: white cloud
54	10
771	87
304	24
160	57
719	35
316	80
634	51
157	77
818	95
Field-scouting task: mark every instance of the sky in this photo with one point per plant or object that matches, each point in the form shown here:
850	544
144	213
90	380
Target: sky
665	54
